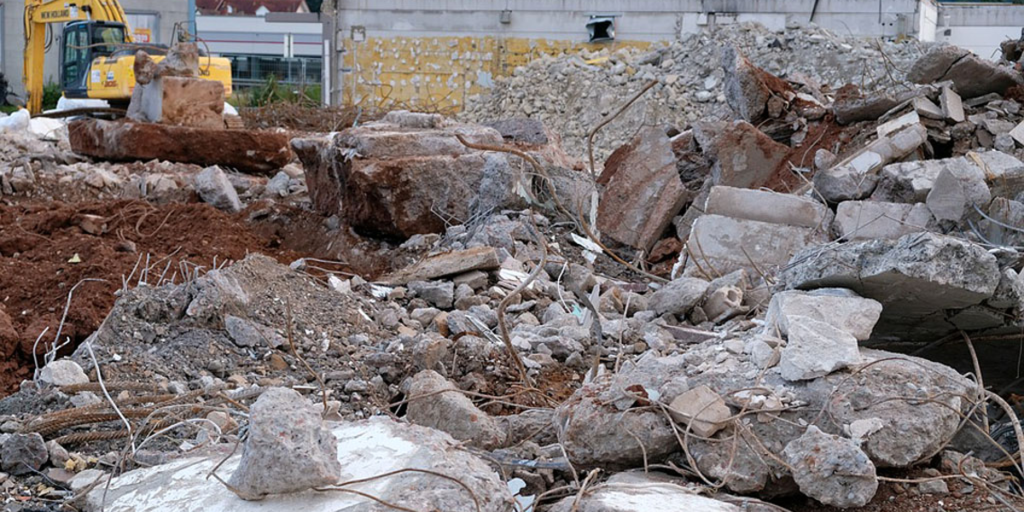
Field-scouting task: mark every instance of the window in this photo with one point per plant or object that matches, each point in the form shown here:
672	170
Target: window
106	40
76	54
601	28
250	70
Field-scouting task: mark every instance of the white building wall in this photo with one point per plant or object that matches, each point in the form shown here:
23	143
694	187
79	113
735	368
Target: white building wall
980	27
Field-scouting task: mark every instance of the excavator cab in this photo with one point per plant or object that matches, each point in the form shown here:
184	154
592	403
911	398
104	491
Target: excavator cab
84	41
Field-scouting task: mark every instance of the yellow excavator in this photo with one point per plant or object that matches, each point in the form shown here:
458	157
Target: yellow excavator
97	52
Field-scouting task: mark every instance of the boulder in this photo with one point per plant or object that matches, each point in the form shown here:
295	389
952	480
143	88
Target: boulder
214	187
62	373
288	449
436	403
397	181
23	454
831	469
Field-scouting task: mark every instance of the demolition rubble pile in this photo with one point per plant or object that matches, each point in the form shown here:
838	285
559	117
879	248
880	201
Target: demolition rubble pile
701	324
572	93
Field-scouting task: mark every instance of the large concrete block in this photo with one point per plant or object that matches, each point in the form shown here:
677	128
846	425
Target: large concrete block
766	206
192	102
719	245
868	220
245	150
642	191
914	277
397	179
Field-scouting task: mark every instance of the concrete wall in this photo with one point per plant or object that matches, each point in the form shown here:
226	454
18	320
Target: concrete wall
437	52
980	27
167	12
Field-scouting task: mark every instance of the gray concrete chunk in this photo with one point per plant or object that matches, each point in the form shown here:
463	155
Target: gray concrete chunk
767	206
719	245
815	349
851	314
831	469
868	220
288	449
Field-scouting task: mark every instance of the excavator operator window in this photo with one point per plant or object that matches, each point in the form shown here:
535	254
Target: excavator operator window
106	40
75	61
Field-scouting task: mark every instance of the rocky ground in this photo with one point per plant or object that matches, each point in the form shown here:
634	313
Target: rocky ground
794	291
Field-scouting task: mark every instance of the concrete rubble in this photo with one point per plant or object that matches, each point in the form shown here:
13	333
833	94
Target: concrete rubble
774	290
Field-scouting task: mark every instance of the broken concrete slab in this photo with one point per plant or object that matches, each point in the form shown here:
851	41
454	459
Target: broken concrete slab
288	448
894	125
868	220
913	277
927	108
246	150
766	206
911	182
947	199
631	492
815	349
436	403
365	449
719	245
831	469
971	75
854	108
701	409
839	308
855	177
1018	133
952	105
642	190
446	264
743	156
934	64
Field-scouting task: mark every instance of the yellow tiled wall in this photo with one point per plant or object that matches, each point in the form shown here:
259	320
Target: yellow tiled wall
442	71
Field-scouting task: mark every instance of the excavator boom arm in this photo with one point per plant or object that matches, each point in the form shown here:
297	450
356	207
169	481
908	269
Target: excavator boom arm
38	14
